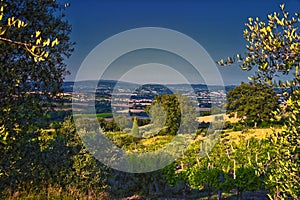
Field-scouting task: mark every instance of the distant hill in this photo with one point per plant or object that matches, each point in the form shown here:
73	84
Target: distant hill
90	85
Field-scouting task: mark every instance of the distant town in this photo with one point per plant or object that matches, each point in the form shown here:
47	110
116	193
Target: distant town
128	98
124	97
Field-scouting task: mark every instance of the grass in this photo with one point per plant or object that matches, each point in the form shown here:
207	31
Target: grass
99	115
147	144
157	141
56	194
259	133
126	142
211	118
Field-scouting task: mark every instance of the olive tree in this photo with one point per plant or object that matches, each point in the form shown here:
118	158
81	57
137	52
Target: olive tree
252	103
34	43
273	50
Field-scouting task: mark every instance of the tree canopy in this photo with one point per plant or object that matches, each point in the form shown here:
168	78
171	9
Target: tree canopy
177	111
273	50
34	42
253	103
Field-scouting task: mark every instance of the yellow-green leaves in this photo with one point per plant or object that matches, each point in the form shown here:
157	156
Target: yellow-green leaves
279	21
55	42
3	135
264	31
297	70
38	41
46	42
264	66
1	12
21	24
250	20
230	60
11	22
36	47
2	30
282	6
16	23
275	43
273	48
37	34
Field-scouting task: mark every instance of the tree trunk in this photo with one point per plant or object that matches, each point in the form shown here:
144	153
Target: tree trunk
222	180
219	194
209	192
156	186
150	189
239	194
166	189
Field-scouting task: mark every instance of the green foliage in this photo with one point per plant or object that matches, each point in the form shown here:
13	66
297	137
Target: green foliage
129	143
108	126
209	179
213	111
84	172
239	126
122	140
29	88
123	122
34	41
126	184
273	48
283	175
37	48
229	165
56	159
135	129
253	103
170	174
175	112
158	117
246	180
172	108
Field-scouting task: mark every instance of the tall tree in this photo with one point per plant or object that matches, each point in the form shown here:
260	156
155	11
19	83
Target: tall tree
135	129
34	43
171	106
177	112
273	50
253	103
32	59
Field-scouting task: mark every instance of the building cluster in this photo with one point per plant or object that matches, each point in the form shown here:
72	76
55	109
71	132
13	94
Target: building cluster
133	100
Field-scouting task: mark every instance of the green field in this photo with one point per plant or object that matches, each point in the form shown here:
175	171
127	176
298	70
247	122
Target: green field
99	115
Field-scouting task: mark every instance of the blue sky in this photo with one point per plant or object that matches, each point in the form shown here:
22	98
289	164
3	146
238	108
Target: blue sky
217	24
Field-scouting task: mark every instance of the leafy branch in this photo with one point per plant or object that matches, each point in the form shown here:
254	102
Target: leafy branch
35	48
273	47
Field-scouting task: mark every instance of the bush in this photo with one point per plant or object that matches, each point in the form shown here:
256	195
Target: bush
238	127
